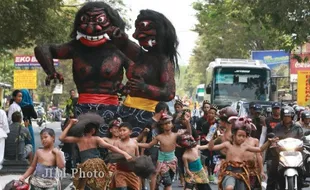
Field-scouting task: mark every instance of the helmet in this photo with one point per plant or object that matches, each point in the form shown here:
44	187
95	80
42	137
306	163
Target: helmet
227	112
258	108
305	115
276	105
298	109
287	111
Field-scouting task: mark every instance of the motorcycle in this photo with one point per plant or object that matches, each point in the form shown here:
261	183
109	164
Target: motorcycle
42	120
306	154
291	162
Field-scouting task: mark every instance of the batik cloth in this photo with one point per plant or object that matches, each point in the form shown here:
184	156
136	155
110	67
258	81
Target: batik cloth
125	179
236	170
200	177
255	179
99	178
40	183
138	118
107	112
164	166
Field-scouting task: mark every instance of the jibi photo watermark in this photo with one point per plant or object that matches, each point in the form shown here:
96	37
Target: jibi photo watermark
61	173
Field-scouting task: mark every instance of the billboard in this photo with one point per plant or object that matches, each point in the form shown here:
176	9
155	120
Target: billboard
277	61
303	88
25	79
296	66
29	61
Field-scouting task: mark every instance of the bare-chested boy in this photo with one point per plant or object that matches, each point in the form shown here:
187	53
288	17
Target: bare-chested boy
254	163
233	173
166	155
195	175
123	178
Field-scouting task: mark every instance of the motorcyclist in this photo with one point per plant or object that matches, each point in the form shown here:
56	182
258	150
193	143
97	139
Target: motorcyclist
286	128
298	110
304	121
271	123
259	121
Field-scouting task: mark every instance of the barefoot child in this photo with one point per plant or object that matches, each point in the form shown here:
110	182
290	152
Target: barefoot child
254	161
88	144
45	161
195	174
123	177
167	139
234	174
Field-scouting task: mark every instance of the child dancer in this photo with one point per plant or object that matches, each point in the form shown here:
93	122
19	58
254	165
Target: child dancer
88	145
45	161
195	174
113	133
234	174
123	177
166	156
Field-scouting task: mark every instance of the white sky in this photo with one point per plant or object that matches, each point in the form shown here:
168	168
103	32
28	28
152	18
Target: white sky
179	12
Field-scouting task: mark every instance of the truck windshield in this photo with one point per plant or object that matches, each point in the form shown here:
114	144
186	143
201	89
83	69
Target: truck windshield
233	84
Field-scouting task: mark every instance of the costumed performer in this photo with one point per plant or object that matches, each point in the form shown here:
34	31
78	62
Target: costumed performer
97	64
234	172
152	78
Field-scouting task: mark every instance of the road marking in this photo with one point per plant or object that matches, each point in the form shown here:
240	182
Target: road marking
69	187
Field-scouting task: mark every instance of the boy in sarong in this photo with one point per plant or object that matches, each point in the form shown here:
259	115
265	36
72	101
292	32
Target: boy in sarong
234	174
254	163
195	174
123	177
167	162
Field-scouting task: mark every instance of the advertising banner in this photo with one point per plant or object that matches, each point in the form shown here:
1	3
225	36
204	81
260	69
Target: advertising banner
29	61
296	66
277	61
303	88
25	79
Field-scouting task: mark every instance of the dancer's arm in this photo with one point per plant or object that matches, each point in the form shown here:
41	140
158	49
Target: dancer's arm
148	145
112	148
64	138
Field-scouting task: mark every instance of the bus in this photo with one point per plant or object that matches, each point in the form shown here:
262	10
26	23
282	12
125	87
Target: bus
231	80
200	93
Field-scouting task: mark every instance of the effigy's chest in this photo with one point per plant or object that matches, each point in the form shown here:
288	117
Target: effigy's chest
98	65
145	70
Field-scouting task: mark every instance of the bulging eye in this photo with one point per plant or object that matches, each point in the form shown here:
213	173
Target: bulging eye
101	19
84	18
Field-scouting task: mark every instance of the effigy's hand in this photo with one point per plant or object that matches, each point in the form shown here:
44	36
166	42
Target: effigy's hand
54	77
114	32
137	84
124	89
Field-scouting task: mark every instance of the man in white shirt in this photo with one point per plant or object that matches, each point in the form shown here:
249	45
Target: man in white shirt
4	130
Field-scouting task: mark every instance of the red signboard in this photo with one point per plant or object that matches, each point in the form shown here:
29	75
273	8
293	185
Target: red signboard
29	61
295	66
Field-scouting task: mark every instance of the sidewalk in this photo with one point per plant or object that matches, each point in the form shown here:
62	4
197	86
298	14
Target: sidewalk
7	178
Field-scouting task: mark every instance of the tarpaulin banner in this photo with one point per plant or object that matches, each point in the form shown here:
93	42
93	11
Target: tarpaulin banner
277	61
303	88
29	61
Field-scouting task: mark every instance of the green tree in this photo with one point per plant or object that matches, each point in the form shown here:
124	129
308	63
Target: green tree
25	23
229	29
290	17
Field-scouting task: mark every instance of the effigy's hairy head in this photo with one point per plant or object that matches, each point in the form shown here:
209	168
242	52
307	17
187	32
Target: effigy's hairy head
154	30
93	21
